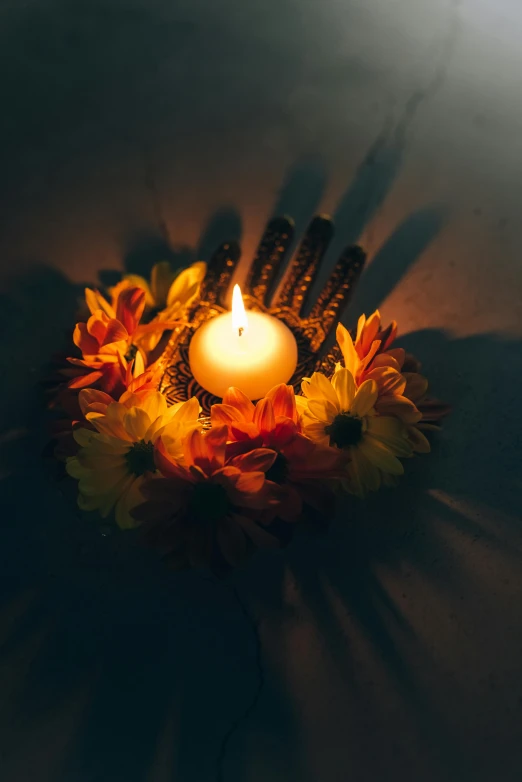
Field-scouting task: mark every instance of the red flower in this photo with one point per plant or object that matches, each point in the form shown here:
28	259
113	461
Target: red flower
302	468
205	511
106	342
272	422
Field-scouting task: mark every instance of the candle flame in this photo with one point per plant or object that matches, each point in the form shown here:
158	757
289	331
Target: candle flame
239	318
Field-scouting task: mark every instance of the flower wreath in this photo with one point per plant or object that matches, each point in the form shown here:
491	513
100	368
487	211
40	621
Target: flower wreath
211	496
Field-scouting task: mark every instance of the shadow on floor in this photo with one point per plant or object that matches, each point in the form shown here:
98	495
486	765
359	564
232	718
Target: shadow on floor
123	660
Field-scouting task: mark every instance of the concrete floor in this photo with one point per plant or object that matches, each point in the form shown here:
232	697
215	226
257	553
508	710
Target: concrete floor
392	649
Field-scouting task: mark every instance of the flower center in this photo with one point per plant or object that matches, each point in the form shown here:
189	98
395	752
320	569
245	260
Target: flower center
209	502
345	430
140	458
278	472
130	355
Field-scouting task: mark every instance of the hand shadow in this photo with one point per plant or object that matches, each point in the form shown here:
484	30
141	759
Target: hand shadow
352	589
354	596
146	249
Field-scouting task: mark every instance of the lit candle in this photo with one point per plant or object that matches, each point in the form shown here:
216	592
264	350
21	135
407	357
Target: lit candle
253	352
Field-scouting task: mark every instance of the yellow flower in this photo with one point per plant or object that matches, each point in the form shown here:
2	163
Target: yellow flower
168	294
337	413
368	361
114	460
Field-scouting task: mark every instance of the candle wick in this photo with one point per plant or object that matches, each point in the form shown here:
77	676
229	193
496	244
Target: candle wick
240	330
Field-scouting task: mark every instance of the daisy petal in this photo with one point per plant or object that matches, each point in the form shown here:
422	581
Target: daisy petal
250	483
136	422
322	410
315	431
391	432
130	499
285	430
241	432
74	468
85	380
264	417
136	281
83	436
90	396
301	403
321	388
380	456
345	342
399	354
225	414
236	398
283	401
365	398
154	404
363	476
419	442
399	406
258	460
344	385
188	411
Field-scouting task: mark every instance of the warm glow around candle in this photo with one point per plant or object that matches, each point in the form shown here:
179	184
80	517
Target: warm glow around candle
239	316
253	352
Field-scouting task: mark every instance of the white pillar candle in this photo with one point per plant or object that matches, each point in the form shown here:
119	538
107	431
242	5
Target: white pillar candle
253	352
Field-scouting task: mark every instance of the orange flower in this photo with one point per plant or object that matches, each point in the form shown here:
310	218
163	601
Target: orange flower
370	331
167	296
304	471
366	360
301	468
106	342
92	400
272	422
203	513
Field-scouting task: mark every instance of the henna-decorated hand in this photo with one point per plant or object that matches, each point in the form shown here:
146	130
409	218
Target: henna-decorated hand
311	331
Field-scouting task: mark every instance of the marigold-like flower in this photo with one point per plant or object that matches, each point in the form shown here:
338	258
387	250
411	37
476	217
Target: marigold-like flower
168	294
117	456
272	422
106	342
206	509
367	361
369	330
337	413
302	468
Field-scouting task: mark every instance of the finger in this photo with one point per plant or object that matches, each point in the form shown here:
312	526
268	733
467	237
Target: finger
305	265
339	288
326	364
269	258
219	274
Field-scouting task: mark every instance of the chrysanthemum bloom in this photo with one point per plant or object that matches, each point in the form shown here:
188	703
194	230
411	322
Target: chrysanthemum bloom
337	413
367	361
206	509
92	400
106	342
369	330
431	410
302	468
114	460
271	422
114	337
169	293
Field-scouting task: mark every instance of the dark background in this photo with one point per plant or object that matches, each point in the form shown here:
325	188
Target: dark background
133	130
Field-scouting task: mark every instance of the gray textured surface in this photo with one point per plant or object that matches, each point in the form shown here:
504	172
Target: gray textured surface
391	649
